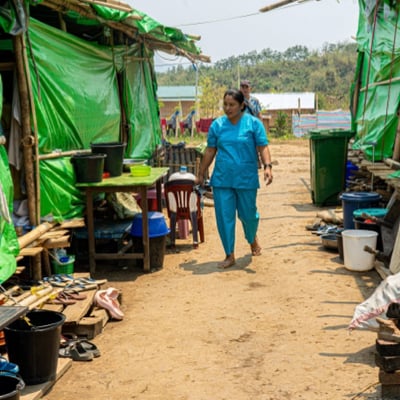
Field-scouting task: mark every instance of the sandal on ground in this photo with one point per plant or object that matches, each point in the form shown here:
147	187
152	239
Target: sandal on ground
76	351
7	367
67	338
314	227
107	301
228	262
90	347
63	299
75	295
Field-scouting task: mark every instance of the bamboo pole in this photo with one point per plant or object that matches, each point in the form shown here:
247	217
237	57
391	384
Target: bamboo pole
396	149
33	298
35	130
27	138
277	5
63	6
381	83
392	163
128	30
58	154
35	234
118	7
17	299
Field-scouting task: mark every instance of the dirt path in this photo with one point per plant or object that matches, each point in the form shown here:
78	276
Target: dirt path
271	328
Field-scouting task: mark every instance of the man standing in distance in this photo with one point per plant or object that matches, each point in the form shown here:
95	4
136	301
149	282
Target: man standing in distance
253	105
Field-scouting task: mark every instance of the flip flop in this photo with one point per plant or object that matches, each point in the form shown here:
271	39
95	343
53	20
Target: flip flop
74	295
62	298
7	367
90	347
104	300
76	351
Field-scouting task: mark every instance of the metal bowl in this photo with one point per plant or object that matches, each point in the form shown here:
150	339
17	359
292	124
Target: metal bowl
329	241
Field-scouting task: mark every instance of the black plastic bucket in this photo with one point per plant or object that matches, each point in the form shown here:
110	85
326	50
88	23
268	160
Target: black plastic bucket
157	251
88	167
340	245
33	345
10	387
360	223
115	156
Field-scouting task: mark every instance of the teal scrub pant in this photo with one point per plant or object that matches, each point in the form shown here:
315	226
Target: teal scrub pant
226	202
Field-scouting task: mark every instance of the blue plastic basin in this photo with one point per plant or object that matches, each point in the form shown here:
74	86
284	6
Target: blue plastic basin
157	225
373	212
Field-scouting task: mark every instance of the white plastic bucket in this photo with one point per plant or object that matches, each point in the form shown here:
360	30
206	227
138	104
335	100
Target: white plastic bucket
355	257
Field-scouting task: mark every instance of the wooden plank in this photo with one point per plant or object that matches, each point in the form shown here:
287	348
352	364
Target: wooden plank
75	312
73	223
35	392
56	243
92	325
53	234
30	251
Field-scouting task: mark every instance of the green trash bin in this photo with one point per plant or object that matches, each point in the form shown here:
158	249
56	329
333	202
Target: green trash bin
328	157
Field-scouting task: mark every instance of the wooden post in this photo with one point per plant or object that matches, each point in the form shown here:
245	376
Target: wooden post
34	133
28	140
396	149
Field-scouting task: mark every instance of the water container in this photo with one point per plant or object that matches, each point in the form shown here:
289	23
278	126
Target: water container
158	231
10	387
115	156
33	343
182	174
355	257
352	201
350	168
157	225
88	167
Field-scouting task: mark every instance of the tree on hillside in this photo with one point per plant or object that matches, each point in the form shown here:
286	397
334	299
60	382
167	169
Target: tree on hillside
329	73
210	98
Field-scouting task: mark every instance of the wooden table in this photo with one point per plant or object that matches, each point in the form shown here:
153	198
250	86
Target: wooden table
123	183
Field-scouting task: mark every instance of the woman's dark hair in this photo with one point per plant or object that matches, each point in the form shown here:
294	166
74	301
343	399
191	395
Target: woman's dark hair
235	94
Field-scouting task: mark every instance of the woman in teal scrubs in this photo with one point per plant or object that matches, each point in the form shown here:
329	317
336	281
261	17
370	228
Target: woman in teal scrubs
234	140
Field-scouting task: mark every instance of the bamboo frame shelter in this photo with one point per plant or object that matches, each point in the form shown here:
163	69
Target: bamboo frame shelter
75	72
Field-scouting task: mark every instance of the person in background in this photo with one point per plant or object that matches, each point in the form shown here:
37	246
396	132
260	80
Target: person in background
234	140
253	105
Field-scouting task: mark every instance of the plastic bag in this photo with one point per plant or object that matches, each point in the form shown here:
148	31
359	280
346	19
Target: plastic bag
365	313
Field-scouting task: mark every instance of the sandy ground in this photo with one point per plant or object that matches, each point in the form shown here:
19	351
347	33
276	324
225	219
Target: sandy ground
273	327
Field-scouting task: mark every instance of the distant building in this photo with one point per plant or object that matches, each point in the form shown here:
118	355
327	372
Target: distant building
289	103
302	111
176	97
296	102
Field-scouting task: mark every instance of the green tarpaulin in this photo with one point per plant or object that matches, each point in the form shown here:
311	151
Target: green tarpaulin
9	247
91	75
377	86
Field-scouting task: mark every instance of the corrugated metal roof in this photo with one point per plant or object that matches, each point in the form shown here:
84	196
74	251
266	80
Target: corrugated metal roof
176	93
286	101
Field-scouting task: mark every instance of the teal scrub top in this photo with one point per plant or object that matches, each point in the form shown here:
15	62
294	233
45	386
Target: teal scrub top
236	161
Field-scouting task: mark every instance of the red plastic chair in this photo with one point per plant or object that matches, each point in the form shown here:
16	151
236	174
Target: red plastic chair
183	203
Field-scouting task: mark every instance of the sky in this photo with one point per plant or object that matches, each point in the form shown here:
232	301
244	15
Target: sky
233	27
